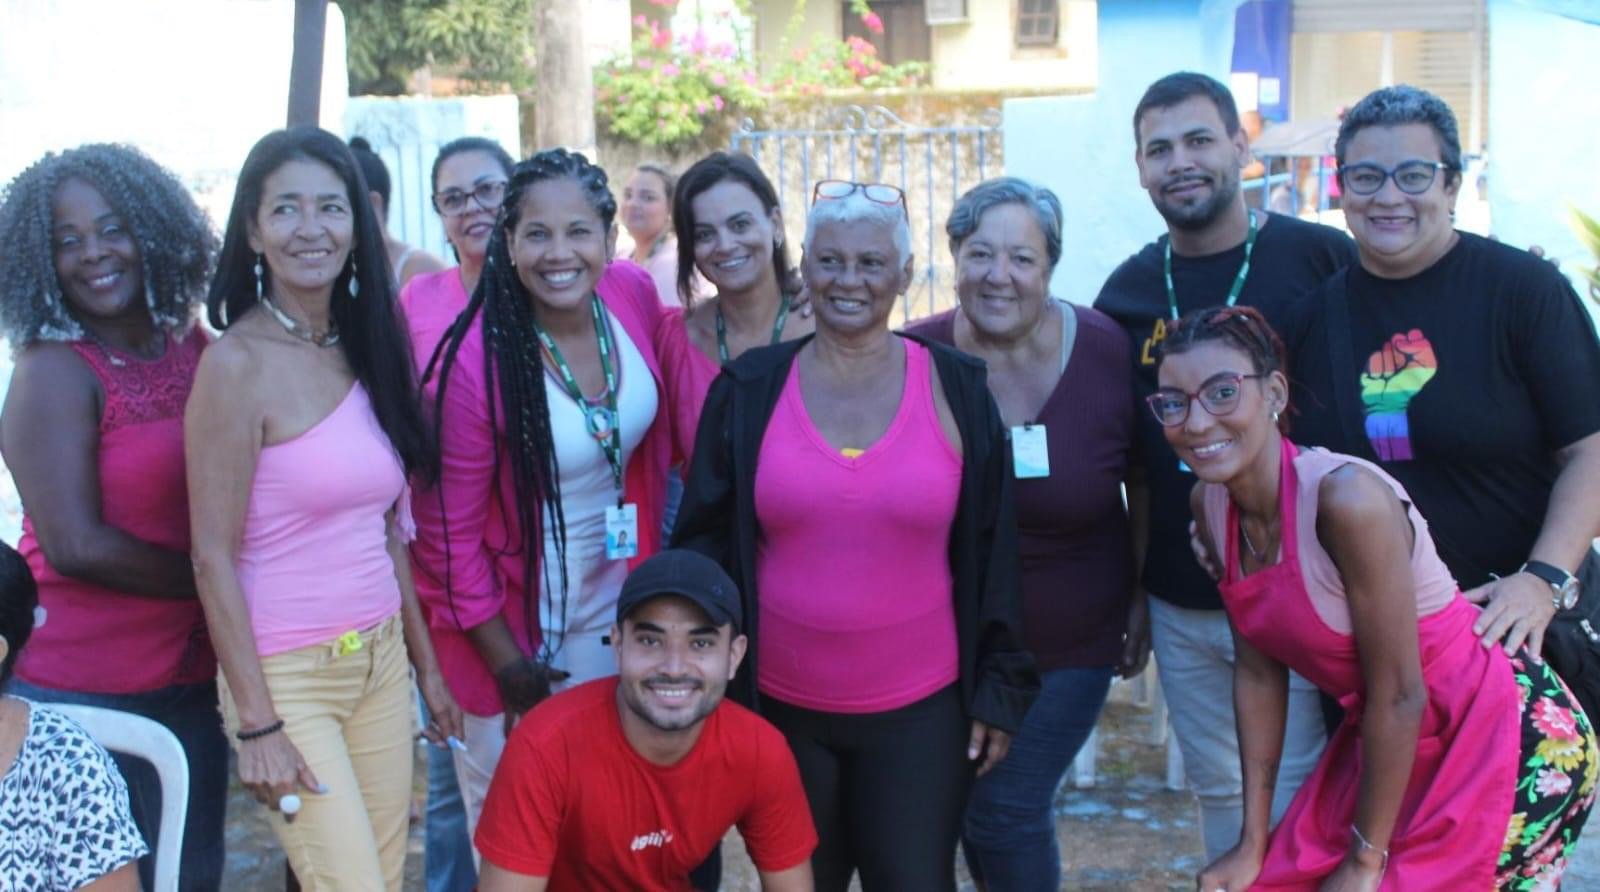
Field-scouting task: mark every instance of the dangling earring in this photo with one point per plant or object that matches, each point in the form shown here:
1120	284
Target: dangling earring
259	289
353	283
1274	416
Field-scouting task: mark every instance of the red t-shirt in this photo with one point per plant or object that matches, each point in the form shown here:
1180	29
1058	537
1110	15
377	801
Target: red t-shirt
572	801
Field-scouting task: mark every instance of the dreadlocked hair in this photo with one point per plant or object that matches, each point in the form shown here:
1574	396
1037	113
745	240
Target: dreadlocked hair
176	243
371	336
1242	328
514	360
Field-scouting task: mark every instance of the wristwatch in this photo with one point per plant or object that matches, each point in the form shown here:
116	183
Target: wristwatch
1563	585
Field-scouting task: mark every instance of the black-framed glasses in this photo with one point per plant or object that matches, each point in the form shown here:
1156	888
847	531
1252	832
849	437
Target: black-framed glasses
453	202
880	193
1219	396
1410	177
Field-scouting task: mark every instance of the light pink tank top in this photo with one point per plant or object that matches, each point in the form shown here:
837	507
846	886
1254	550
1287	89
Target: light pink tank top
852	566
1435	588
314	560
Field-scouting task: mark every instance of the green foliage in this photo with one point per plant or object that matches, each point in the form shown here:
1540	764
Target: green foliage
1589	233
488	43
673	86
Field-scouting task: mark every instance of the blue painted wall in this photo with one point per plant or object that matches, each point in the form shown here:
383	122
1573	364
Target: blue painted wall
1082	146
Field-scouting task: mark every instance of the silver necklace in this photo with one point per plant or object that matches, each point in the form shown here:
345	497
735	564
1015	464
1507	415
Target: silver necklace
1260	557
299	329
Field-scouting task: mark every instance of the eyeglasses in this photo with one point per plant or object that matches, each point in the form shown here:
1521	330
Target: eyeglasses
1411	177
881	193
453	202
1219	396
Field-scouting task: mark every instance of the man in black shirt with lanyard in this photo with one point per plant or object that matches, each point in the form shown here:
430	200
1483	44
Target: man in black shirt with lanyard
1190	150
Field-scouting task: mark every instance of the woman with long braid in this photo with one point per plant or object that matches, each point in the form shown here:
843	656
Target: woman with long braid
545	395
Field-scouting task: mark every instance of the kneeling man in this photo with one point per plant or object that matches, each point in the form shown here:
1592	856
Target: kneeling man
630	782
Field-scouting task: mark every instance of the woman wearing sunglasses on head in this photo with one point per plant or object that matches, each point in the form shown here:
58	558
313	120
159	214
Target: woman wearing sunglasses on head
1457	767
856	486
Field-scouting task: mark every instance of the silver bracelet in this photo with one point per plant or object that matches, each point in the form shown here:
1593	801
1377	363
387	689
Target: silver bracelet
1362	841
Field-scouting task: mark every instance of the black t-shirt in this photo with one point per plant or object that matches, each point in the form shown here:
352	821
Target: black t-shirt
1291	257
1467	377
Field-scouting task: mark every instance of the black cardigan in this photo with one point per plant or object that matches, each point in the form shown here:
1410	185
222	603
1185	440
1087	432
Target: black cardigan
718	518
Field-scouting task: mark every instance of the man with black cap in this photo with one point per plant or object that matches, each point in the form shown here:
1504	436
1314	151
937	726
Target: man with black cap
629	782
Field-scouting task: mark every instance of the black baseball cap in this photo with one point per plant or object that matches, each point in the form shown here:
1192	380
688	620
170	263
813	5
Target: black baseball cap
687	574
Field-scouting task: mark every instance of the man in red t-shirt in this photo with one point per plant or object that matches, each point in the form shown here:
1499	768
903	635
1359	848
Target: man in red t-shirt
630	782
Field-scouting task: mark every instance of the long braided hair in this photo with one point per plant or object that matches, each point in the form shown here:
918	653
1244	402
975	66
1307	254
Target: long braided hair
520	418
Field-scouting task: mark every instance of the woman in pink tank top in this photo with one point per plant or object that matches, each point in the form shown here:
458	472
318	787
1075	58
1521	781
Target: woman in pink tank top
856	485
302	427
99	303
1457	767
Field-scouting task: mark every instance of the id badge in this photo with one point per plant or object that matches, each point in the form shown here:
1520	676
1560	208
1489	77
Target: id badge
1030	451
622	531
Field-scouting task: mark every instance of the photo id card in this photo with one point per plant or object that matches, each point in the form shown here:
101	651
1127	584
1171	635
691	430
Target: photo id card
622	531
1030	451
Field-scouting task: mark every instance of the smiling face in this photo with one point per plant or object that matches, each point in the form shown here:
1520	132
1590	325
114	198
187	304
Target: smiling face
644	206
1400	235
734	237
96	258
854	274
559	244
674	665
1189	163
1003	272
1219	448
461	173
304	227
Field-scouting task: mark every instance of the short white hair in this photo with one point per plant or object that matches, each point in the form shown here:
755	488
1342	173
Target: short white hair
858	207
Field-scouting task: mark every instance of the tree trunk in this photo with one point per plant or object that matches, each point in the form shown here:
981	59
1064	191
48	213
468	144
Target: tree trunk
305	66
564	106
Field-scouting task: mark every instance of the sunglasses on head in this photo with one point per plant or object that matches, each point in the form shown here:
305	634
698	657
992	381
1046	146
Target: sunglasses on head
879	193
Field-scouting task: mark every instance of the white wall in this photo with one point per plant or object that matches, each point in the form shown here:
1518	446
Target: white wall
1082	146
1544	125
194	83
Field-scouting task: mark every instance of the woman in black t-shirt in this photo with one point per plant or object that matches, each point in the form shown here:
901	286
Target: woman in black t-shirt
1468	369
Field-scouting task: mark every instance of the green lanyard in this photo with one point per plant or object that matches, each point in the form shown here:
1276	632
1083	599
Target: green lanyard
603	422
1238	280
722	328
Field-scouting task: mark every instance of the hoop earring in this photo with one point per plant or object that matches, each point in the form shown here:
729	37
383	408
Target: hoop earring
353	283
259	289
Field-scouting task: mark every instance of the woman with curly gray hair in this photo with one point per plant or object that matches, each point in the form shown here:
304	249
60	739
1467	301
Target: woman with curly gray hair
107	256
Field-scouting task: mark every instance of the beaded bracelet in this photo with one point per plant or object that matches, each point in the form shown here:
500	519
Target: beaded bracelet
263	731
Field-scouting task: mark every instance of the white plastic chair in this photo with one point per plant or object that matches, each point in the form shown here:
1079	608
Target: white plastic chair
135	735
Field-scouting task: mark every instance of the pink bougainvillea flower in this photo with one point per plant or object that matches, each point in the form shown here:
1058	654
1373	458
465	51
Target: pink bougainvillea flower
670	70
750	78
873	23
639	21
716	102
664	4
698	42
719	79
644	62
660	38
700	108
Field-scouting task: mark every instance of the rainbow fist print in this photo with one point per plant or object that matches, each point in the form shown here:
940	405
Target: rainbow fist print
1395	374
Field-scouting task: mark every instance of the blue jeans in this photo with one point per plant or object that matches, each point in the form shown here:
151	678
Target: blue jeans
447	851
190	713
1009	835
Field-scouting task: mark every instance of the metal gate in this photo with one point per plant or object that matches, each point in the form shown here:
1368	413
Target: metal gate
932	165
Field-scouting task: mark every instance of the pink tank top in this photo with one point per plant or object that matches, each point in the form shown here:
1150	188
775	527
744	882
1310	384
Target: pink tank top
314	561
852	565
138	643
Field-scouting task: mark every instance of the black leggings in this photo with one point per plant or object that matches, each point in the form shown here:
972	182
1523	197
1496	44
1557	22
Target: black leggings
887	790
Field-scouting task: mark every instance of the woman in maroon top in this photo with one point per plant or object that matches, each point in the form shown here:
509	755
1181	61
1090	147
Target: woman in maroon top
106	258
1060	376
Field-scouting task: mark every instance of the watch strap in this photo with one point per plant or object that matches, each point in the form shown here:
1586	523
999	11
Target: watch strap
1550	573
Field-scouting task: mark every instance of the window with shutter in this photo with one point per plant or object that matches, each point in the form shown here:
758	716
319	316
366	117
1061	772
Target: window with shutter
946	12
1038	22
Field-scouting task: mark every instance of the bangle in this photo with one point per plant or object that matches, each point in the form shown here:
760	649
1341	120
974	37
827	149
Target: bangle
263	731
1361	841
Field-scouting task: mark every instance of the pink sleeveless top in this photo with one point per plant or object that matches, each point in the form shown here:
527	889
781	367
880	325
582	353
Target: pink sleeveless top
686	374
314	560
852	565
1457	802
138	643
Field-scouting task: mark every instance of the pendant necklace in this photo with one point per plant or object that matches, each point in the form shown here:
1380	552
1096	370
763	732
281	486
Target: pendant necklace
1260	557
299	329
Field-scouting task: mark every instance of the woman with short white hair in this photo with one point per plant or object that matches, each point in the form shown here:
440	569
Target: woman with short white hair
856	485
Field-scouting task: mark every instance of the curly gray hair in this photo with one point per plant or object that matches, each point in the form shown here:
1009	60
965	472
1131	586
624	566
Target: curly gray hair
177	245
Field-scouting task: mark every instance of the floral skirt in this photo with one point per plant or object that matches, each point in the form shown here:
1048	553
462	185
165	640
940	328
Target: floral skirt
1556	783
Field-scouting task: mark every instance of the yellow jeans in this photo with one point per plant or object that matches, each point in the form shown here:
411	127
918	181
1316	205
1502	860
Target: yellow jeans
349	713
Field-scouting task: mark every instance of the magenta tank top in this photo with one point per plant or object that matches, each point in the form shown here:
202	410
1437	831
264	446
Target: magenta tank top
852	564
138	643
314	561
